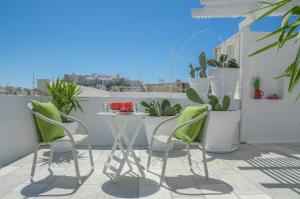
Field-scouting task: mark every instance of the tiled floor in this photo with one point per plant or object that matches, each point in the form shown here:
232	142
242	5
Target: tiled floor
252	172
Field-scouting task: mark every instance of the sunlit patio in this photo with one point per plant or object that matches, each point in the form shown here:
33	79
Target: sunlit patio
254	171
231	131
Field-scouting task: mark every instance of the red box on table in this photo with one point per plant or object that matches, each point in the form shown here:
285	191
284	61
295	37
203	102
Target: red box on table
121	106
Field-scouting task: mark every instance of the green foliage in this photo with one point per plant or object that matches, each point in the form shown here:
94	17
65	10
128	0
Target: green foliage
289	30
223	62
213	100
154	109
256	83
193	96
64	96
164	104
202	67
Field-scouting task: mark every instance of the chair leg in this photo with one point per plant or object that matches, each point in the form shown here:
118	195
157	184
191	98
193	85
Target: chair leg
162	176
35	153
50	156
149	155
189	155
205	163
91	154
76	163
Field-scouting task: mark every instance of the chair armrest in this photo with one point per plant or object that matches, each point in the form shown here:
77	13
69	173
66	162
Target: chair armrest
164	121
77	120
53	122
196	119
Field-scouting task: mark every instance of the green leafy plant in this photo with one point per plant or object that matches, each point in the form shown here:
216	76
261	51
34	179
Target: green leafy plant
289	30
64	95
213	100
154	108
256	83
223	62
201	68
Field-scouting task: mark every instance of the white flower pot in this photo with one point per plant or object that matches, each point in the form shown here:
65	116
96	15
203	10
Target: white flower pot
222	128
201	86
151	123
223	81
66	146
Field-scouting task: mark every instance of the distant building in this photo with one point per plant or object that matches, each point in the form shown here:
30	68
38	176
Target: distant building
105	82
177	87
41	85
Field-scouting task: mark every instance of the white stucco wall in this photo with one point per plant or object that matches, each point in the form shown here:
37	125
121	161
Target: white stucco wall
16	128
267	121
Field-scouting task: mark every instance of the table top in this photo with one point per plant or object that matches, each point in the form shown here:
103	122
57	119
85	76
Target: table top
136	114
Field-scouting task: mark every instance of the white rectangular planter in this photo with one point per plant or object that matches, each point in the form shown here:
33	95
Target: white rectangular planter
223	126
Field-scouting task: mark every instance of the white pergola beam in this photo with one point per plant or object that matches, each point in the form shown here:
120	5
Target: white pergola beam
233	8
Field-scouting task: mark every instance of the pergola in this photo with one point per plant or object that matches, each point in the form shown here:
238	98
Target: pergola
233	9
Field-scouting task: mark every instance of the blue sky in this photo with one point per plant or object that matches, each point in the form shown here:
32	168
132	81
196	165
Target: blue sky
54	37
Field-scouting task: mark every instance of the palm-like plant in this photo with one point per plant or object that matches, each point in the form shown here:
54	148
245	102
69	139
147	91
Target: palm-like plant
64	95
289	30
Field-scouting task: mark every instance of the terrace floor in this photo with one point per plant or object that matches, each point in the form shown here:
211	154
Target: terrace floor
252	172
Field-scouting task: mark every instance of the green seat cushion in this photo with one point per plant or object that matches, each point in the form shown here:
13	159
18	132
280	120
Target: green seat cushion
190	132
48	132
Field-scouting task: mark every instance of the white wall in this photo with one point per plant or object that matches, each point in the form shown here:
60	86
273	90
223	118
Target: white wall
266	121
16	128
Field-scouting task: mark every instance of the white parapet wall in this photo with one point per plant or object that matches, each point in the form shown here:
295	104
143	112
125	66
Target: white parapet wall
17	128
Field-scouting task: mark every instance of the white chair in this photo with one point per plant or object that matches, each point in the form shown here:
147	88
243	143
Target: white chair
72	137
168	139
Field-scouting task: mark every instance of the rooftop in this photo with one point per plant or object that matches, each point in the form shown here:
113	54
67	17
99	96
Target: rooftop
261	171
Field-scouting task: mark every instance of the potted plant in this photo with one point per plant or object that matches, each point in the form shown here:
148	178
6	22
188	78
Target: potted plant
198	77
223	124
224	76
64	95
158	113
256	84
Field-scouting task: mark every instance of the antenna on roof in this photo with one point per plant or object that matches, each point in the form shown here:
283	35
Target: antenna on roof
33	83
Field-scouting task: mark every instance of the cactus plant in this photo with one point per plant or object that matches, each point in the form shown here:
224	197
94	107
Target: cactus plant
223	62
256	83
213	100
192	70
202	67
154	109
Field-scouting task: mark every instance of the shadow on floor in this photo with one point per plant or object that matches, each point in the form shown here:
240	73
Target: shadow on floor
60	158
175	153
128	187
42	188
283	168
199	184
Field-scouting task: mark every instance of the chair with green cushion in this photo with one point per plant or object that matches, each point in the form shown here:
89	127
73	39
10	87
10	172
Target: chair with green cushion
191	129
51	130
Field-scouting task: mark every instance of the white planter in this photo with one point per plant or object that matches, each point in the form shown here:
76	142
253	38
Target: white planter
66	146
201	85
222	128
223	81
151	123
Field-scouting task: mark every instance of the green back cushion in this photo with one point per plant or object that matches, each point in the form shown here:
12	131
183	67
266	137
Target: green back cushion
49	132
190	132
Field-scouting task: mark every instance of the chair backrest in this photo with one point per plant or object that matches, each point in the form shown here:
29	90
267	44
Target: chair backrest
37	134
203	133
